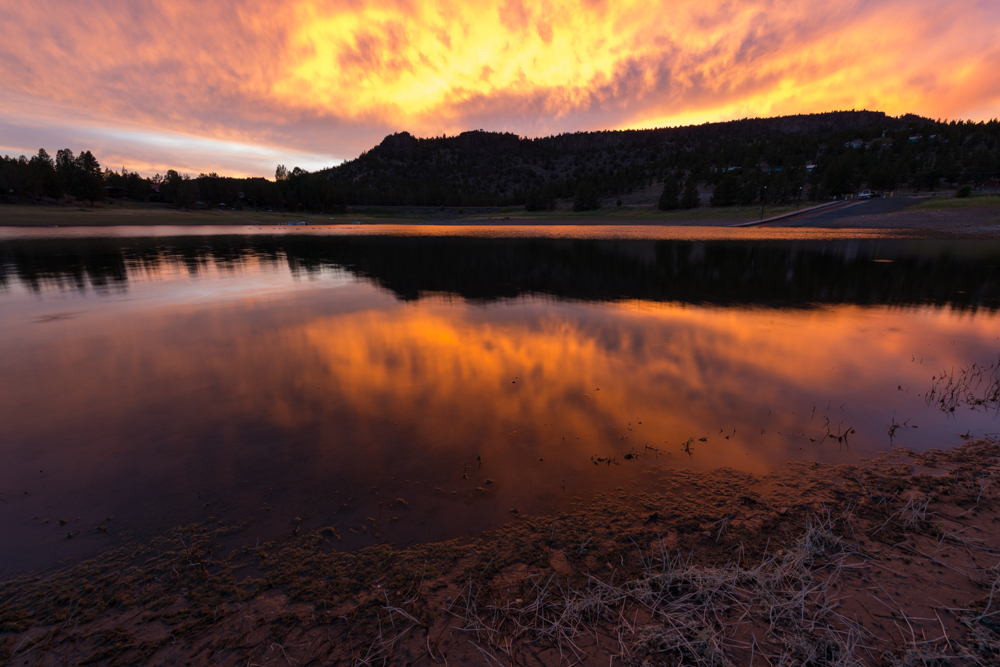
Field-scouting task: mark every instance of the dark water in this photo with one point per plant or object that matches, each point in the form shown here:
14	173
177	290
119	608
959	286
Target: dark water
290	379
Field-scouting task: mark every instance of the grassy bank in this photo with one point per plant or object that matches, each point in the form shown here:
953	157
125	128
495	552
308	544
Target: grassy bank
133	213
977	200
894	562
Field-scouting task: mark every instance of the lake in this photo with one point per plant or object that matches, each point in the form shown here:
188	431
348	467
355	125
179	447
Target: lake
417	383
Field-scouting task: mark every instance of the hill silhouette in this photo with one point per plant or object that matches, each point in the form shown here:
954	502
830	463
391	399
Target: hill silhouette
811	156
823	154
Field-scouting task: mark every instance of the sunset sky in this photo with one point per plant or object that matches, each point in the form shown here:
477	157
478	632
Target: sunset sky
238	86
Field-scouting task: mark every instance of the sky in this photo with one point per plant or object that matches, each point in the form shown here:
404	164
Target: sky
238	86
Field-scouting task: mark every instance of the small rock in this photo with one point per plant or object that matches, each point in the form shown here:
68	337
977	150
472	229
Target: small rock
782	511
560	563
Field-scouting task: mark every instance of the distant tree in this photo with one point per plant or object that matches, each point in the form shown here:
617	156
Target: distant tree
187	193
948	168
332	202
170	186
88	181
65	169
928	178
727	191
882	176
587	198
42	178
670	198
691	197
136	187
839	176
281	174
750	187
964	191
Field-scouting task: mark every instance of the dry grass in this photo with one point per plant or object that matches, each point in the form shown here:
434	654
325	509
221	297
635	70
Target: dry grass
133	213
799	571
974	387
678	611
977	200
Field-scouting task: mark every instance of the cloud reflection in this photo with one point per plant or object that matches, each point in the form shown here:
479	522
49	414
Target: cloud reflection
299	396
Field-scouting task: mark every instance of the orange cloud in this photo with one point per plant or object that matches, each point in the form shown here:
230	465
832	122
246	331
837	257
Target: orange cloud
331	77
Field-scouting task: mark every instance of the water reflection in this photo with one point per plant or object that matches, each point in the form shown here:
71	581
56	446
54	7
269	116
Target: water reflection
266	379
960	274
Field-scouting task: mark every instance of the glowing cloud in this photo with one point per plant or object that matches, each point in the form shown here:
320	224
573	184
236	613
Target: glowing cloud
331	77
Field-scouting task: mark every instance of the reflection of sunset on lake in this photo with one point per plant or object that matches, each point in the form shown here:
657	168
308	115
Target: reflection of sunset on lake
260	384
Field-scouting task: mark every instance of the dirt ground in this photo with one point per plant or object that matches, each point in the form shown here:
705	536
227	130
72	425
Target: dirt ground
981	219
975	217
892	562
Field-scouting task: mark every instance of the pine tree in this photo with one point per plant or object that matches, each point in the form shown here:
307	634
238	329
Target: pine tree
587	198
88	180
670	199
727	191
691	198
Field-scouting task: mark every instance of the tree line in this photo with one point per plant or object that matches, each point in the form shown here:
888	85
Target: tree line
69	177
811	156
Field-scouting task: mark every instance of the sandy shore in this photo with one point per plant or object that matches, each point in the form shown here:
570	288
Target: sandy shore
891	562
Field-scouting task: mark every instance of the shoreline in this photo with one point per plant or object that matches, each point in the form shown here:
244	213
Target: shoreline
818	560
916	212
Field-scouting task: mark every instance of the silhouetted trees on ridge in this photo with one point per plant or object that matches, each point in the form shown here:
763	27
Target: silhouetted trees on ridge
812	156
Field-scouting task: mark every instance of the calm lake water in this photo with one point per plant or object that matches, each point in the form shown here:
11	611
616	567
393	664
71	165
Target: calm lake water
294	377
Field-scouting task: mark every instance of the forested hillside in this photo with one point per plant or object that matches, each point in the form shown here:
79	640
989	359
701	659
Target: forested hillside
811	157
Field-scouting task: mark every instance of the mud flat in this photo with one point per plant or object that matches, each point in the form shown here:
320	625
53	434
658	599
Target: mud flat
895	561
